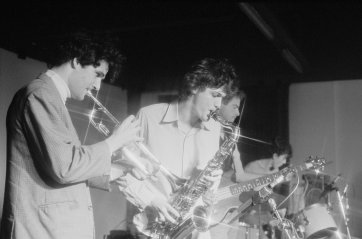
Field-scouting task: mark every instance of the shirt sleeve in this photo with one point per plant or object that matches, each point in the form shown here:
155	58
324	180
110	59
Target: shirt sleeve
55	146
258	167
239	170
140	193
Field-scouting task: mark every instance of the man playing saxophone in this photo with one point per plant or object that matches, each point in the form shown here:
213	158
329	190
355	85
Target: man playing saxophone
182	134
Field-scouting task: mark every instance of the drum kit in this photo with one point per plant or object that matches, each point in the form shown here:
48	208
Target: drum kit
313	218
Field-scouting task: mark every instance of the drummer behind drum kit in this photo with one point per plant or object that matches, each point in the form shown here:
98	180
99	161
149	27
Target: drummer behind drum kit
312	221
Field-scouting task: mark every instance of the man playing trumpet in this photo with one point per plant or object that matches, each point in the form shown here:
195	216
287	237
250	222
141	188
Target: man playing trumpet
48	169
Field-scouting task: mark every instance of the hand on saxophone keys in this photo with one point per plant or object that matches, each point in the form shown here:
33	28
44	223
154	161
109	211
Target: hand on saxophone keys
213	179
166	211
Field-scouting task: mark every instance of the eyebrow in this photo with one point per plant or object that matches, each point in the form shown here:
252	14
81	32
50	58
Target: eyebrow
220	91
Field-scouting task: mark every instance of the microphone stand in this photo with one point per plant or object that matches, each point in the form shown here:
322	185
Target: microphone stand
283	225
345	218
329	188
264	196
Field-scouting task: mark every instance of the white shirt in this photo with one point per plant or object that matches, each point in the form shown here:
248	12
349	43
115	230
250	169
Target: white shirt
179	151
60	84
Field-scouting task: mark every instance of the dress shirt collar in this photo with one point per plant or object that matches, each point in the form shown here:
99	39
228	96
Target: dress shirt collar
171	115
60	84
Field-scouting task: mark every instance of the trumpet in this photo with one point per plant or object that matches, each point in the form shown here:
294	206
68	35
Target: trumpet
138	159
127	153
100	125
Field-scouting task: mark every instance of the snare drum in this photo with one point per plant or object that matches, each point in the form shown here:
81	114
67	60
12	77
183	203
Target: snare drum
317	221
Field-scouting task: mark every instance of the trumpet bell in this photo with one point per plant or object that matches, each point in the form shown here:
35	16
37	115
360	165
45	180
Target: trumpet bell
133	155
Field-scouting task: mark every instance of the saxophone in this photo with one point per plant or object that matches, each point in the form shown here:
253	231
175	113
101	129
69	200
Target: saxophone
185	198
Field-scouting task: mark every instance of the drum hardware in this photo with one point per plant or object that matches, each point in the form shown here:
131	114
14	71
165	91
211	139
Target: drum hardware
305	220
330	187
344	208
327	225
316	221
285	225
264	195
258	198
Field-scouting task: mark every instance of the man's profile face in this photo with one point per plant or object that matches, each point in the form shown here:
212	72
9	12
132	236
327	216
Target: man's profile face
279	160
85	78
230	110
207	101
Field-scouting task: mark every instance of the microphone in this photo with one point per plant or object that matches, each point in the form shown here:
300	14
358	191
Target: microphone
330	187
282	224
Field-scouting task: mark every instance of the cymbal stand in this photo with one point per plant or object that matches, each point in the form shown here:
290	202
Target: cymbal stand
343	207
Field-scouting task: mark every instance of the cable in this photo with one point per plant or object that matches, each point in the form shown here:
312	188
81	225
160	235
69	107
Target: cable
290	194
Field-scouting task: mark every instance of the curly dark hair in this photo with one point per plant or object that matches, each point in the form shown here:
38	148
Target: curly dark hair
208	72
89	49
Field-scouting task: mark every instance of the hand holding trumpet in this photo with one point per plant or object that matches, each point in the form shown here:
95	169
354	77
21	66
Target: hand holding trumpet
125	145
125	133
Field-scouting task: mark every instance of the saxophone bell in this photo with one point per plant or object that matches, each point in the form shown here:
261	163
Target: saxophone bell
201	218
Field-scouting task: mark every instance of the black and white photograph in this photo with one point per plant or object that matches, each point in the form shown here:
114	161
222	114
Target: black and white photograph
180	119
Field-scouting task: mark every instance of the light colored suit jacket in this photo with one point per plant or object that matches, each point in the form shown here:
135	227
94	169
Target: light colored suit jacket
46	191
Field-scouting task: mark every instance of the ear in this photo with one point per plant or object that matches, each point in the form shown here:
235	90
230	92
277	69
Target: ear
74	63
275	156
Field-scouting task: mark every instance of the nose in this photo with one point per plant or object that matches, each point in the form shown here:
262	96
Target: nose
218	102
97	84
